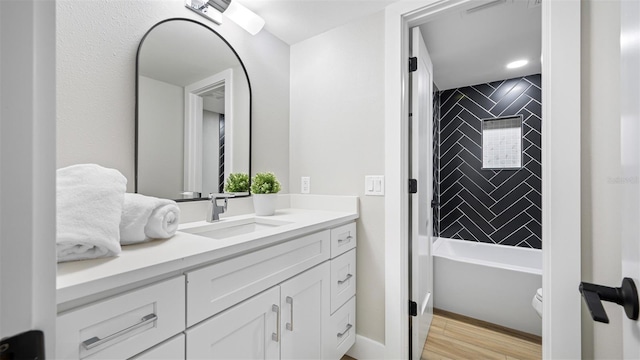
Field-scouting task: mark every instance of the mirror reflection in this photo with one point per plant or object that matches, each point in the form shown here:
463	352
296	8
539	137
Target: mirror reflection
193	112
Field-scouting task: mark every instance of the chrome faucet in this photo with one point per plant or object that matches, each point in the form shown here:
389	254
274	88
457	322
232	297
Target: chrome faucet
214	211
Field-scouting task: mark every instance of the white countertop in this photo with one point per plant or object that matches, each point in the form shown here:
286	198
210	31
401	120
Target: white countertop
137	263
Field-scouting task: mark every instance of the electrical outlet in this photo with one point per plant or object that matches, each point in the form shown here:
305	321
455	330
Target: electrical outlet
305	185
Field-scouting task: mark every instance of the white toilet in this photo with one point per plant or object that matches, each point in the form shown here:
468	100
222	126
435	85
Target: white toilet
536	302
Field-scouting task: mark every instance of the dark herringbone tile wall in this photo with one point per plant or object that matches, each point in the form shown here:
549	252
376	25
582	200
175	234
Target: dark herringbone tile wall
494	206
436	164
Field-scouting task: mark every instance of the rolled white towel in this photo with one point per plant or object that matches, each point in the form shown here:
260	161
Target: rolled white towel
145	218
89	206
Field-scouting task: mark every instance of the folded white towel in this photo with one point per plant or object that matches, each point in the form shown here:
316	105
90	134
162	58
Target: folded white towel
145	218
89	206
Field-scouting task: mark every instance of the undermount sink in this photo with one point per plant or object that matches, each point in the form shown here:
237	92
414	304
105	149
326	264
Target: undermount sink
226	228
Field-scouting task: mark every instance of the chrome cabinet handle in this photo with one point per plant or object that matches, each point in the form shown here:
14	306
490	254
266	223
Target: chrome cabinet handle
349	276
349	326
347	239
289	301
96	341
276	335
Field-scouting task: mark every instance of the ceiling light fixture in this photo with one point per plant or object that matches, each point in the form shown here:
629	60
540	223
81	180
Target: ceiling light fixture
517	64
213	10
244	17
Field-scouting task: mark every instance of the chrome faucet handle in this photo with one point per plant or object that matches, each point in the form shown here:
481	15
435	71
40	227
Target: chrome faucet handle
213	214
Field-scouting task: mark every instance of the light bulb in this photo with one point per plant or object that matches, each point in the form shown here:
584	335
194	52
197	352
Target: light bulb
244	17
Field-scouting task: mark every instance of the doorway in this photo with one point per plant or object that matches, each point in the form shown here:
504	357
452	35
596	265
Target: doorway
561	202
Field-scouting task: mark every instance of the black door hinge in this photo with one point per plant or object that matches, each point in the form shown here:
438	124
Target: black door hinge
413	308
413	186
413	64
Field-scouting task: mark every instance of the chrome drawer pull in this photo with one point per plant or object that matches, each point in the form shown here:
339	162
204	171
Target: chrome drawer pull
349	326
347	239
96	341
349	276
276	335
289	326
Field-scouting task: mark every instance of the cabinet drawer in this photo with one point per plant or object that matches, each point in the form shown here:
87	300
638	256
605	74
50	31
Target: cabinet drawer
172	349
342	330
343	239
343	279
124	325
221	285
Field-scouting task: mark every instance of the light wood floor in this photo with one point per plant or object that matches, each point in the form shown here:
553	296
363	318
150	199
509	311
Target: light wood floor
454	336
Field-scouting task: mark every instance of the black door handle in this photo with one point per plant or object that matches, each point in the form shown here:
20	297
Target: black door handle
626	295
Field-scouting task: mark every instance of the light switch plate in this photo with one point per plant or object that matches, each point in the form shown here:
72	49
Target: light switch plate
374	185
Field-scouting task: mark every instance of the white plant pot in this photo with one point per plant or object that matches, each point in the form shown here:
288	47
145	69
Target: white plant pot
264	204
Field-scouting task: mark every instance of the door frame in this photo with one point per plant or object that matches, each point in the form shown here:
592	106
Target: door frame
560	174
193	141
27	169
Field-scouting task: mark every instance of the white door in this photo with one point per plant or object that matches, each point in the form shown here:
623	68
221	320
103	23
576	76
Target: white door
305	313
630	156
421	262
249	330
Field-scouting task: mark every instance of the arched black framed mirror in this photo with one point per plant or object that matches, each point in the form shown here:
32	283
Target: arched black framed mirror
193	112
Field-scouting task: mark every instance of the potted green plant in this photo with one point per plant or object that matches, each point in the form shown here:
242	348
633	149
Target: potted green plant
264	189
237	183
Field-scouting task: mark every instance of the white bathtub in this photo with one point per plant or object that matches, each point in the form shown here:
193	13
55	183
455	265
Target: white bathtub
494	283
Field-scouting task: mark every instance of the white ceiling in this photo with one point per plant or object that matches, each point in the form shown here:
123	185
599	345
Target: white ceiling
295	20
474	48
466	49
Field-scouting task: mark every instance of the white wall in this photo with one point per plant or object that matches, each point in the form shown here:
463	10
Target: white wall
240	121
337	137
601	192
162	138
96	53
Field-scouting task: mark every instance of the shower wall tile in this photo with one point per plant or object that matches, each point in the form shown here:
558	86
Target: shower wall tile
494	206
436	159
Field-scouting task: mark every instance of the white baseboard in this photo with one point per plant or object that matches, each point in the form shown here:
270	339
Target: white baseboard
366	349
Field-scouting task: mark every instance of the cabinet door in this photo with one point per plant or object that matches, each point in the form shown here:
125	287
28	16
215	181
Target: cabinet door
305	313
249	330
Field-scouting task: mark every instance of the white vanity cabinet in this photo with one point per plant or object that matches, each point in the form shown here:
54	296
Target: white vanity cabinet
122	326
288	299
304	301
311	315
283	322
219	286
340	334
172	349
247	331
